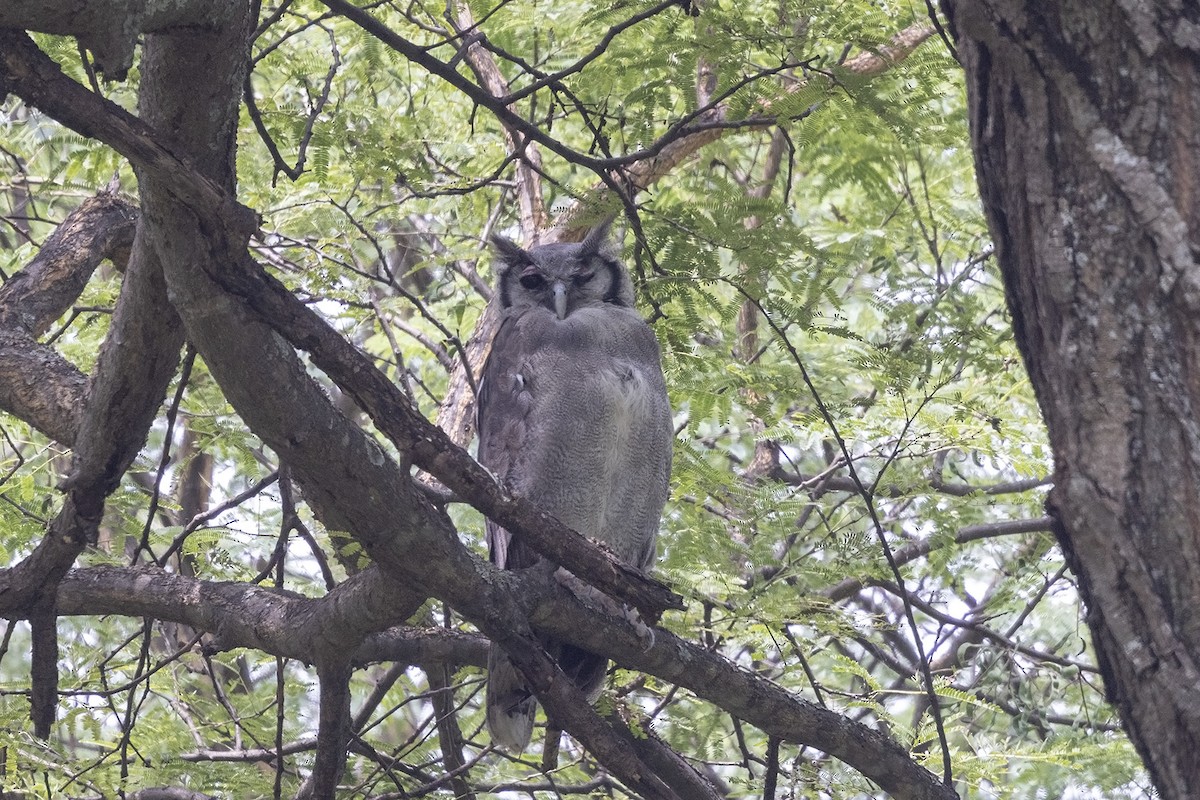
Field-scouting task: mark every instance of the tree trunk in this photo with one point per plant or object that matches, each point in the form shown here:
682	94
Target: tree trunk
1085	121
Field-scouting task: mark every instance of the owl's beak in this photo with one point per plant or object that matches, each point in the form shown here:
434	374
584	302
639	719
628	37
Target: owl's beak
560	299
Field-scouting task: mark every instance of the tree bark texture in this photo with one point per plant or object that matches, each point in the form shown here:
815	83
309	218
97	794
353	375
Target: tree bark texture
36	382
1085	121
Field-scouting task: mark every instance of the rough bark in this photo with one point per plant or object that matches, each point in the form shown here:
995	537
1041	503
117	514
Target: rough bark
36	383
110	28
245	615
1084	125
101	227
39	386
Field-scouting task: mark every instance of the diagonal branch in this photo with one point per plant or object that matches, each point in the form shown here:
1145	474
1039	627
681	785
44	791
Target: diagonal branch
34	77
431	449
101	227
37	384
137	360
354	486
747	696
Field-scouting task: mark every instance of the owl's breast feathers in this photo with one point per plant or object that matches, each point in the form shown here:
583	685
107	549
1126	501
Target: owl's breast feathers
573	413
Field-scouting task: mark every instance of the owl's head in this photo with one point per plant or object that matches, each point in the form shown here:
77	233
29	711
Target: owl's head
562	277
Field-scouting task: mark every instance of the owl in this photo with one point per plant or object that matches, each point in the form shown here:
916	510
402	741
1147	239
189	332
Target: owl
573	414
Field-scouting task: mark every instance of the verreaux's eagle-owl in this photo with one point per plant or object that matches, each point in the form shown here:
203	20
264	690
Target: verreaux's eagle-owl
573	414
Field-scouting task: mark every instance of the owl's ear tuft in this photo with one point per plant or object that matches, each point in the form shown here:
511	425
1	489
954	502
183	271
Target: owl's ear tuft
509	251
597	238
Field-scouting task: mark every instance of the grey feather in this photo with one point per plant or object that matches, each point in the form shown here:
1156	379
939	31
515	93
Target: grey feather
573	414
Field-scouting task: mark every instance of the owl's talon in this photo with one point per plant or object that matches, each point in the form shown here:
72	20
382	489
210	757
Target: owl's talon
644	632
592	596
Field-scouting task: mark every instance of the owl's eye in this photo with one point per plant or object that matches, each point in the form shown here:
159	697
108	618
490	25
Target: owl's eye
532	281
583	278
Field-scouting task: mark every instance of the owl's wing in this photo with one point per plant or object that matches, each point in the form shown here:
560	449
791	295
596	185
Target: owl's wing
639	484
502	420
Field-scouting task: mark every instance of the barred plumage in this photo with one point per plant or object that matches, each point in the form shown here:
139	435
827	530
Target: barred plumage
573	414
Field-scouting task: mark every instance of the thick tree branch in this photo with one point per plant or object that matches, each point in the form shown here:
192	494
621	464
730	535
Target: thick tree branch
40	387
31	75
431	449
277	623
36	383
747	696
101	227
110	29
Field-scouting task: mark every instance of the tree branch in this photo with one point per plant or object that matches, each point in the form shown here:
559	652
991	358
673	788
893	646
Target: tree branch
747	696
37	384
294	627
529	166
110	29
31	75
431	449
970	533
41	387
137	360
333	730
101	227
281	624
450	737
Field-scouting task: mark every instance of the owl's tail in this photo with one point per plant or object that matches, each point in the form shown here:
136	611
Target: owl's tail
510	704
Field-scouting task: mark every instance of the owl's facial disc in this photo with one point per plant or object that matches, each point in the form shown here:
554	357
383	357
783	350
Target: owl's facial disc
559	292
